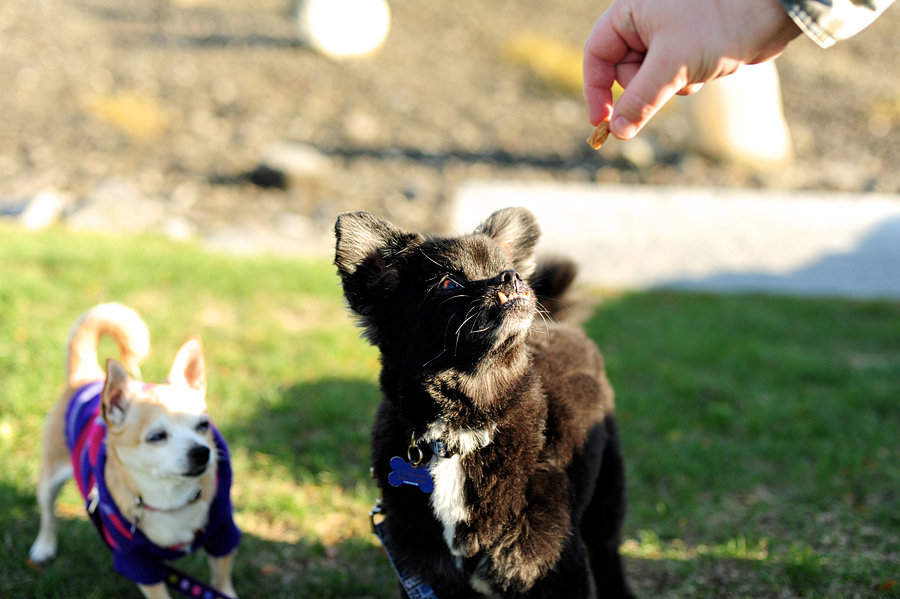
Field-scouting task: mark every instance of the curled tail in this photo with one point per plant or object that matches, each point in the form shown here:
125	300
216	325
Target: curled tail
122	324
550	282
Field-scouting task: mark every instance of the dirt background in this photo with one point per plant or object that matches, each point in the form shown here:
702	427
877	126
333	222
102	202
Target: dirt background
208	85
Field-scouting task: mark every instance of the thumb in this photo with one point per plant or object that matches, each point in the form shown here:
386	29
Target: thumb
657	79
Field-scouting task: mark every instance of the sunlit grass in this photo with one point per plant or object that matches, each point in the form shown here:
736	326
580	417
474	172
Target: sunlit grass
648	545
759	432
760	440
290	384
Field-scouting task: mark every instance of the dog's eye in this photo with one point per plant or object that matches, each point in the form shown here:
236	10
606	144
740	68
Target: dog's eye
157	437
448	284
203	426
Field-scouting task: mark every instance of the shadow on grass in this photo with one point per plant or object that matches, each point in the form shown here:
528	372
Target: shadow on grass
319	430
263	568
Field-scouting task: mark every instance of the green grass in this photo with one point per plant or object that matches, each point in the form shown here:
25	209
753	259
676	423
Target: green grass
759	432
761	443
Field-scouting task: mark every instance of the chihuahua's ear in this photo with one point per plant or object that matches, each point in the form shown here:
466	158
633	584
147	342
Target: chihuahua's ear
516	231
189	367
115	394
367	255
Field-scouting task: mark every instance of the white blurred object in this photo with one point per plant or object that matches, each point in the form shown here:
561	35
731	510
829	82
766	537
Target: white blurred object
740	118
42	210
343	28
296	160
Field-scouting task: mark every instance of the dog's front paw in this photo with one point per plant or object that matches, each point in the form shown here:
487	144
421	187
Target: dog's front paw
227	589
41	554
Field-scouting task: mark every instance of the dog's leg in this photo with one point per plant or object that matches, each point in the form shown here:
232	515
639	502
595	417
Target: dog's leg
53	476
155	591
56	469
601	526
220	573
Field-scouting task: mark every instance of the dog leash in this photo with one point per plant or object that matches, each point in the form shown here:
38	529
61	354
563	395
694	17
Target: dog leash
413	585
176	580
409	473
189	586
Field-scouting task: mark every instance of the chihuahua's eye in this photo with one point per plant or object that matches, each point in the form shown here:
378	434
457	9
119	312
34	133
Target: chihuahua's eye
157	437
203	426
448	284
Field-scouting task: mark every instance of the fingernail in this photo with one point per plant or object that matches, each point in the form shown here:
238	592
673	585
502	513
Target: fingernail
622	128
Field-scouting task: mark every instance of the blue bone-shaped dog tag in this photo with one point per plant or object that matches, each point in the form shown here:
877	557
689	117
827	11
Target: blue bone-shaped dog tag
404	473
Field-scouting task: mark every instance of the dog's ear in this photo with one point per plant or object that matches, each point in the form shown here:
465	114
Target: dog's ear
367	254
189	366
115	394
516	231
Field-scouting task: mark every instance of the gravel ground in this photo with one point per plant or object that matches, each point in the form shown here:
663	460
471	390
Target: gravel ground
207	85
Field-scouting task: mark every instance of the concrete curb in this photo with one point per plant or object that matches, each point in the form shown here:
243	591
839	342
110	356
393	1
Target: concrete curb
721	240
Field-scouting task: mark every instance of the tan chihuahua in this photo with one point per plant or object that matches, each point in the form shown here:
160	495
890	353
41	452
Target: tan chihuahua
154	471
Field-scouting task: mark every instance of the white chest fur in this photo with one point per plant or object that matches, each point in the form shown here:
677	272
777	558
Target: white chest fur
448	498
173	512
167	529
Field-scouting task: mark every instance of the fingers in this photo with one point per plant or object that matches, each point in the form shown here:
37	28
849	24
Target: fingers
604	49
690	89
647	88
599	102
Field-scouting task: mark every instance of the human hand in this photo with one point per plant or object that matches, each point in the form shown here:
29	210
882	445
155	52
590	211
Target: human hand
658	48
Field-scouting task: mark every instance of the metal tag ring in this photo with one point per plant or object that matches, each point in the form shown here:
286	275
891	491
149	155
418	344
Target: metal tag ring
415	451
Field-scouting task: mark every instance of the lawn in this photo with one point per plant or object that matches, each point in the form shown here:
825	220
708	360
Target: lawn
760	432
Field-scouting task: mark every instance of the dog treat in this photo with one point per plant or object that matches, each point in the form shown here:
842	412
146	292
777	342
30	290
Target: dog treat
598	137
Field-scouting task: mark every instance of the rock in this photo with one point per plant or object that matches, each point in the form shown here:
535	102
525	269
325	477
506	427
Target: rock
293	226
178	228
343	28
361	128
267	177
296	161
116	206
185	195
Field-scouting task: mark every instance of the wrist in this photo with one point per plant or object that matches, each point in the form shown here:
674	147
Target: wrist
787	28
772	29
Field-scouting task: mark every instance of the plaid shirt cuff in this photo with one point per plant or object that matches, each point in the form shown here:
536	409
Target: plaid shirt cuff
828	21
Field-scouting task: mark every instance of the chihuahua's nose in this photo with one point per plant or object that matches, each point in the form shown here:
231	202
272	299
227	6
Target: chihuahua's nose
512	277
199	455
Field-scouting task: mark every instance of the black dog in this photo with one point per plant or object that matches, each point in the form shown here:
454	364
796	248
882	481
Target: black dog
513	422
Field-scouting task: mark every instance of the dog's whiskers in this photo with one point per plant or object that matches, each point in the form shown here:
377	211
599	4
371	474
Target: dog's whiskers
545	317
430	258
456	297
441	353
473	306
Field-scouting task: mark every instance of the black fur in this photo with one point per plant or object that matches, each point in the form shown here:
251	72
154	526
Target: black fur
523	407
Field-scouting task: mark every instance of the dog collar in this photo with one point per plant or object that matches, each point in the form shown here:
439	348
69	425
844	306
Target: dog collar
419	448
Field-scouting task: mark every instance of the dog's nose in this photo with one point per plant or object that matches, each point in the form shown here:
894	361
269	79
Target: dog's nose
510	277
198	455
